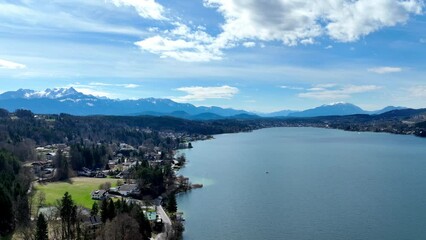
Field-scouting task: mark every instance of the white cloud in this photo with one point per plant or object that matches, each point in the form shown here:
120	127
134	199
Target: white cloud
97	89
33	16
292	22
418	91
202	93
329	47
332	93
11	65
130	85
249	44
316	89
383	70
307	41
326	85
125	85
182	44
145	8
291	87
94	92
351	20
295	21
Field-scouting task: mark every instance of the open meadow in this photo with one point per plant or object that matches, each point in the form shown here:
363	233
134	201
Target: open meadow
79	188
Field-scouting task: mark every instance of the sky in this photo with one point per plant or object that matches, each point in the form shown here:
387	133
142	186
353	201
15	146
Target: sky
256	55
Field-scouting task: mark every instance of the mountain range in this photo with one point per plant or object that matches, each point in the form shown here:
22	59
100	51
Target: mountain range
339	109
71	101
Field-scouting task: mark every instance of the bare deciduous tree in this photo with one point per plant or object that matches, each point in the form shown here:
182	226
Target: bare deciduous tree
122	227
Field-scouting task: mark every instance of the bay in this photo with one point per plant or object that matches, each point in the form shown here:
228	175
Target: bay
306	183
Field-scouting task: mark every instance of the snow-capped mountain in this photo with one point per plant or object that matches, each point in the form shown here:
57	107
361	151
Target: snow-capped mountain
69	100
55	93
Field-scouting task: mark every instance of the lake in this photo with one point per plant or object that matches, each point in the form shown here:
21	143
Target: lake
306	183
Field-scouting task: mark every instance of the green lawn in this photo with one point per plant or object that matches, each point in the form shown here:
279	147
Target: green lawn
79	188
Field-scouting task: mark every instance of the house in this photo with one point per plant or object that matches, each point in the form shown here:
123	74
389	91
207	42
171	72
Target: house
100	175
86	172
99	195
50	155
91	224
158	224
128	189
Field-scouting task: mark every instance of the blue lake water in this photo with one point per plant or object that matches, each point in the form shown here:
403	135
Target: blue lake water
322	184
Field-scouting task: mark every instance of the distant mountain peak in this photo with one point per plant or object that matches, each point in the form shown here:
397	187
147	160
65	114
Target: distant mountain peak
337	103
338	109
69	100
56	93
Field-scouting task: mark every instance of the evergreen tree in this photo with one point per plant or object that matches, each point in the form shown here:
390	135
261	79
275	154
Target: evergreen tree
171	203
62	166
6	213
118	206
41	232
111	209
104	210
23	113
68	216
144	224
14	208
125	208
4	113
95	209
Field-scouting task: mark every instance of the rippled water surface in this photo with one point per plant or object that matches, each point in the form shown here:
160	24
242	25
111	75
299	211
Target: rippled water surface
321	184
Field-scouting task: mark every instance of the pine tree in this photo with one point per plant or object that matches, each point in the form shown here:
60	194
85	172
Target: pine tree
61	164
68	215
104	210
6	213
171	204
111	210
95	209
144	224
42	232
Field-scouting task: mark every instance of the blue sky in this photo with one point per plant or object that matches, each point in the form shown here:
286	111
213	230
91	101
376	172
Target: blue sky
247	54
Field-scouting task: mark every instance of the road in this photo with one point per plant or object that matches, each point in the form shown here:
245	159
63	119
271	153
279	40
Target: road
167	223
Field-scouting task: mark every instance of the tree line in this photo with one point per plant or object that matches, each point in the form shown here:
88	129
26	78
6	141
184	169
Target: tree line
119	220
14	184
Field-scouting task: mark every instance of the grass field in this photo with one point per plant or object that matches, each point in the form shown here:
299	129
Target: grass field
79	188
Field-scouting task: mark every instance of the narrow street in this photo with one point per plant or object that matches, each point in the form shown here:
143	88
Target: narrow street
167	223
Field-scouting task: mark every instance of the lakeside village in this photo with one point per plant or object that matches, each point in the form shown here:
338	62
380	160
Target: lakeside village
146	176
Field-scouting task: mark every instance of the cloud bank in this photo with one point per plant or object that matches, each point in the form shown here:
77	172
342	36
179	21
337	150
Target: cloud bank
291	22
332	92
203	93
11	65
145	8
383	70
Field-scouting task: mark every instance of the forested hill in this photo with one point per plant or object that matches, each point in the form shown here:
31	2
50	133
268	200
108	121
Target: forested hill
47	129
